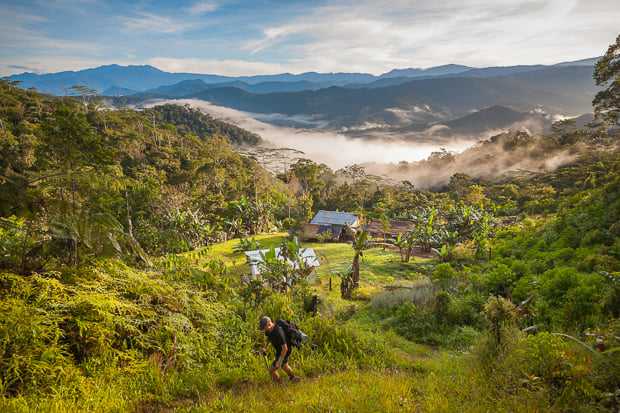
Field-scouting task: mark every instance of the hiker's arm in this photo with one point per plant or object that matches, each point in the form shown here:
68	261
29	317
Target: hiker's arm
264	349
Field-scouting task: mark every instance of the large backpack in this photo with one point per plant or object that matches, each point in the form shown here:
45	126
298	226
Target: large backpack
293	334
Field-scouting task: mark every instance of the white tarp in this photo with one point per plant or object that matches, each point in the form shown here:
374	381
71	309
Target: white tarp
254	258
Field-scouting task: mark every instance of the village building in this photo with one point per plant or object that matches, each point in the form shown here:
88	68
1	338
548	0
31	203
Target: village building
255	258
330	225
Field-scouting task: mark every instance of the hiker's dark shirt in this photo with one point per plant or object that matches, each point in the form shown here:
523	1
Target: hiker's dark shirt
277	338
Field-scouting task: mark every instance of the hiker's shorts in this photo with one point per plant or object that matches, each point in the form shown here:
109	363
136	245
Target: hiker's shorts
288	353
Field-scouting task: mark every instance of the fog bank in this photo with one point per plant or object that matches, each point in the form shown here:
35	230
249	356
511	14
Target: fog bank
424	159
331	148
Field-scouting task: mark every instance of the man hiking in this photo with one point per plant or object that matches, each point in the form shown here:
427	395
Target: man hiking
277	337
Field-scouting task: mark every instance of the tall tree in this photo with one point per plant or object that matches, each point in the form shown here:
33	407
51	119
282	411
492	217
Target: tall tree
459	182
607	74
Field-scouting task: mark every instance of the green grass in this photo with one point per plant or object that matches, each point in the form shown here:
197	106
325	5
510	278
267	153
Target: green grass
377	267
235	261
447	384
378	370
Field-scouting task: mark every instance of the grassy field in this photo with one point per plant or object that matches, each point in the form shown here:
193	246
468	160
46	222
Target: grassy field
378	266
385	372
421	378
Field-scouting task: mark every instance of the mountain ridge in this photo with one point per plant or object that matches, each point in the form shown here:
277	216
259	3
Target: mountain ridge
141	78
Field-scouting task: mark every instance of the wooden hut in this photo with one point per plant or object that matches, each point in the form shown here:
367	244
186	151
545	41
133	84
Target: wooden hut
332	223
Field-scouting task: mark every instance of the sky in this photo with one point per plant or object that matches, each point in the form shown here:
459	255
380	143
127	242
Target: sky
259	37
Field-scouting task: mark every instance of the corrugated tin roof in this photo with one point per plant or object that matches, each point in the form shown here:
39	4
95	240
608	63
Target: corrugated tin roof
254	258
334	218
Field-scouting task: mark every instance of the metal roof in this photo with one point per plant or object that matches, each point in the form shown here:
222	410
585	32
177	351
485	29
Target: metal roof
334	218
254	258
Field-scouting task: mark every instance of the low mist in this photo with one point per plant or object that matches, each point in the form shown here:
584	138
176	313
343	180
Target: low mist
331	148
383	154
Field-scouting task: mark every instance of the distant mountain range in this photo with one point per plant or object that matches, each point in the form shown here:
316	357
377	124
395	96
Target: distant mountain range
402	98
566	90
127	80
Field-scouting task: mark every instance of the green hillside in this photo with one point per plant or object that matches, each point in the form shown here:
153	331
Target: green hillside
124	286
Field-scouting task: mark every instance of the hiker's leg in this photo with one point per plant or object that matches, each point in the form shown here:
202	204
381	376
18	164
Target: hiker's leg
290	373
287	369
273	370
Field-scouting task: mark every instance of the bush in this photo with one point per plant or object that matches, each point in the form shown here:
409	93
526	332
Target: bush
247	244
34	356
500	318
574	372
440	321
467	311
570	299
444	274
498	279
19	249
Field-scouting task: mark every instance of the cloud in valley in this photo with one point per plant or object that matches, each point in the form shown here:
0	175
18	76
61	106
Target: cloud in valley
331	148
381	154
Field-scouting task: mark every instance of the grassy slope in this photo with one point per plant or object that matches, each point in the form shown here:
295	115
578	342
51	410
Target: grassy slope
419	379
378	266
422	380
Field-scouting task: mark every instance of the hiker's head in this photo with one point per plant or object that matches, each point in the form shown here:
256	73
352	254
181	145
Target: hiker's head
264	323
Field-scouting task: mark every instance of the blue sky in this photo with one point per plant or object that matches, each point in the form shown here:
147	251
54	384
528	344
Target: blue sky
271	36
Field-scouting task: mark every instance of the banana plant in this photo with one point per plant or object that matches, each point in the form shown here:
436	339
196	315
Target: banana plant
359	244
450	240
481	242
405	244
346	282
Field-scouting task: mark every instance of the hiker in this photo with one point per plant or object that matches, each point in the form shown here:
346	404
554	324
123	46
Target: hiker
277	337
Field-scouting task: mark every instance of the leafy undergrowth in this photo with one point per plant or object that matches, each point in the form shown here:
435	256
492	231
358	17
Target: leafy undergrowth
110	338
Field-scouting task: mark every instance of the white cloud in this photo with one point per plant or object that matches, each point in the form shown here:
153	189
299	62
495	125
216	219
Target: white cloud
201	8
47	64
271	36
333	149
214	66
152	23
376	36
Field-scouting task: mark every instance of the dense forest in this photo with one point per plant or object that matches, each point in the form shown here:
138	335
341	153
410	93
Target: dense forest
123	285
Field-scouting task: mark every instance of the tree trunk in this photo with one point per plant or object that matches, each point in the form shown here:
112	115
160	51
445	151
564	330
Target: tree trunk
355	271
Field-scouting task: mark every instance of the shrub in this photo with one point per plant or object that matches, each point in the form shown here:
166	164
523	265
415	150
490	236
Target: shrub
247	244
34	356
418	323
438	322
498	279
500	318
466	310
441	306
342	345
573	371
444	274
18	247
